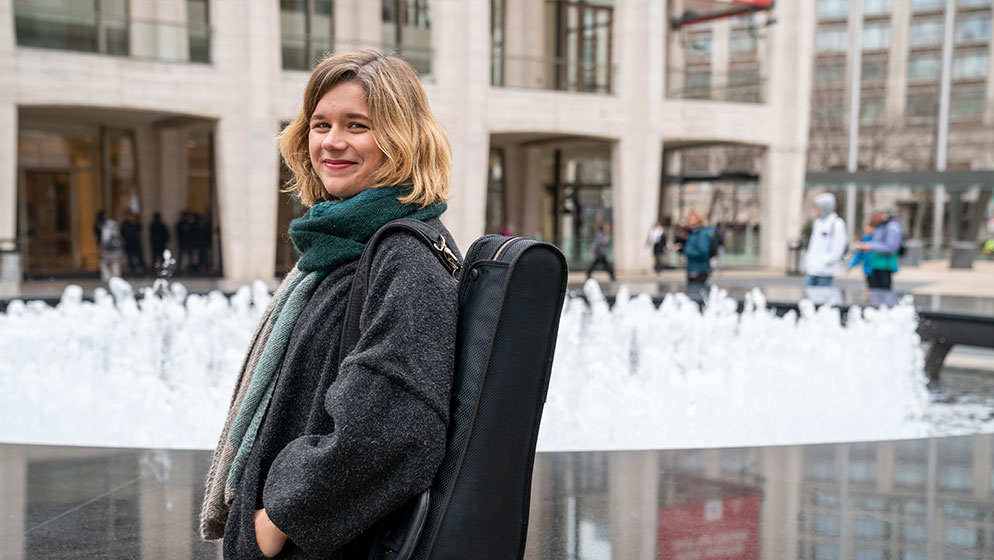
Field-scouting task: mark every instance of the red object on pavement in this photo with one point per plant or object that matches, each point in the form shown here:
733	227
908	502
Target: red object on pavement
716	529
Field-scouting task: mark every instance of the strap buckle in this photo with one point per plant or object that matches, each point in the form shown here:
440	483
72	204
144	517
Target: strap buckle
450	257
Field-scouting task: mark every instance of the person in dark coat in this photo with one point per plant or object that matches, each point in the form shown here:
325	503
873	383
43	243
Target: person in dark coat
131	231
158	237
320	445
201	232
184	238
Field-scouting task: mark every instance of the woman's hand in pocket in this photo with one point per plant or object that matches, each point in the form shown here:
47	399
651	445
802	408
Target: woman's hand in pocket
267	535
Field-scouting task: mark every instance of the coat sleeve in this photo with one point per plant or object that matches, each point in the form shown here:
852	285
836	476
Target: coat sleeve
840	241
389	404
890	241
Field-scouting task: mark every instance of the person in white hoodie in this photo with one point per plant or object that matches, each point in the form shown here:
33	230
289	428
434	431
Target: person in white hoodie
827	244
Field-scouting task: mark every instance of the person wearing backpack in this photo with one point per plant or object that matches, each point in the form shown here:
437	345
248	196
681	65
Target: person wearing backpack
885	247
319	446
699	246
827	244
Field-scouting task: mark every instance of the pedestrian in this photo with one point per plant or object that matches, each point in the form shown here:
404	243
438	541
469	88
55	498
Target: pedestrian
158	237
863	257
320	446
885	247
111	250
602	240
98	224
699	246
827	244
185	240
131	231
657	240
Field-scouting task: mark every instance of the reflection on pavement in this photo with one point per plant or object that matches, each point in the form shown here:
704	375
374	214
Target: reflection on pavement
907	499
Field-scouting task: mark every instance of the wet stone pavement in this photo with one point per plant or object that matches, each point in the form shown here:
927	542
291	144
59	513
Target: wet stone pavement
911	499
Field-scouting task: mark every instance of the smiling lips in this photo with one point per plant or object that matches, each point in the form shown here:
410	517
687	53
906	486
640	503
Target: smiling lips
337	164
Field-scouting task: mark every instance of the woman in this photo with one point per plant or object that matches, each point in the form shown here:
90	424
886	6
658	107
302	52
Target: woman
319	446
699	246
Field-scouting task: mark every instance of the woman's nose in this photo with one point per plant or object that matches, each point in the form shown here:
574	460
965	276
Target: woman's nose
334	140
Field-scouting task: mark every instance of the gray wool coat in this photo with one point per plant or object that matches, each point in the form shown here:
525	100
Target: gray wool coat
345	442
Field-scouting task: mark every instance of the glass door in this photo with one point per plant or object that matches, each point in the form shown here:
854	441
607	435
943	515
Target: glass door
47	225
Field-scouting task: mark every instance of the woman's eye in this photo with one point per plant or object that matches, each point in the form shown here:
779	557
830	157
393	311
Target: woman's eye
320	125
358	126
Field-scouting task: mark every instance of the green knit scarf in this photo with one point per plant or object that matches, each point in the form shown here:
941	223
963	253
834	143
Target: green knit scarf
330	234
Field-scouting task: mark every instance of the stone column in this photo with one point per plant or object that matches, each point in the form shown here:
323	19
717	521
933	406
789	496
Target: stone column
897	60
636	158
514	187
14	489
11	268
10	257
782	467
247	164
531	213
149	187
789	93
461	41
983	447
525	43
165	506
721	32
635	166
172	175
357	23
633	503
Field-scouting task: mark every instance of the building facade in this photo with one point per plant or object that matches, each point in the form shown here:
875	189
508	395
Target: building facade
903	113
562	115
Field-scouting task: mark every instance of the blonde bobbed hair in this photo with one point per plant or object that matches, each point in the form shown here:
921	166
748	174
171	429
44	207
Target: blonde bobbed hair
414	143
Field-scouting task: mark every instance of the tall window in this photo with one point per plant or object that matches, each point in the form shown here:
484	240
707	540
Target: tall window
874	7
925	33
832	9
973	29
744	84
585	46
832	40
200	200
830	73
407	31
497	42
99	26
876	36
970	65
923	103
306	30
923	67
198	30
923	5
742	43
874	70
966	101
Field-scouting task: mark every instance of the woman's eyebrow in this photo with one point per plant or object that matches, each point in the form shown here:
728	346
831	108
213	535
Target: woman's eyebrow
320	117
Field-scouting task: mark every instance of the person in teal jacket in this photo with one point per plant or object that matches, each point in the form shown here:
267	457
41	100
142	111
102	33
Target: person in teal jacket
865	257
699	246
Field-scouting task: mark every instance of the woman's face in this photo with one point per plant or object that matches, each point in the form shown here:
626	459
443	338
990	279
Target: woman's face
341	141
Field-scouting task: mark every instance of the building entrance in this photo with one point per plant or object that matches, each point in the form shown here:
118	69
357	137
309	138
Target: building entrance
47	226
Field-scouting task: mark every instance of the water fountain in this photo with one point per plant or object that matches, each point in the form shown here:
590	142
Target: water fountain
157	371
